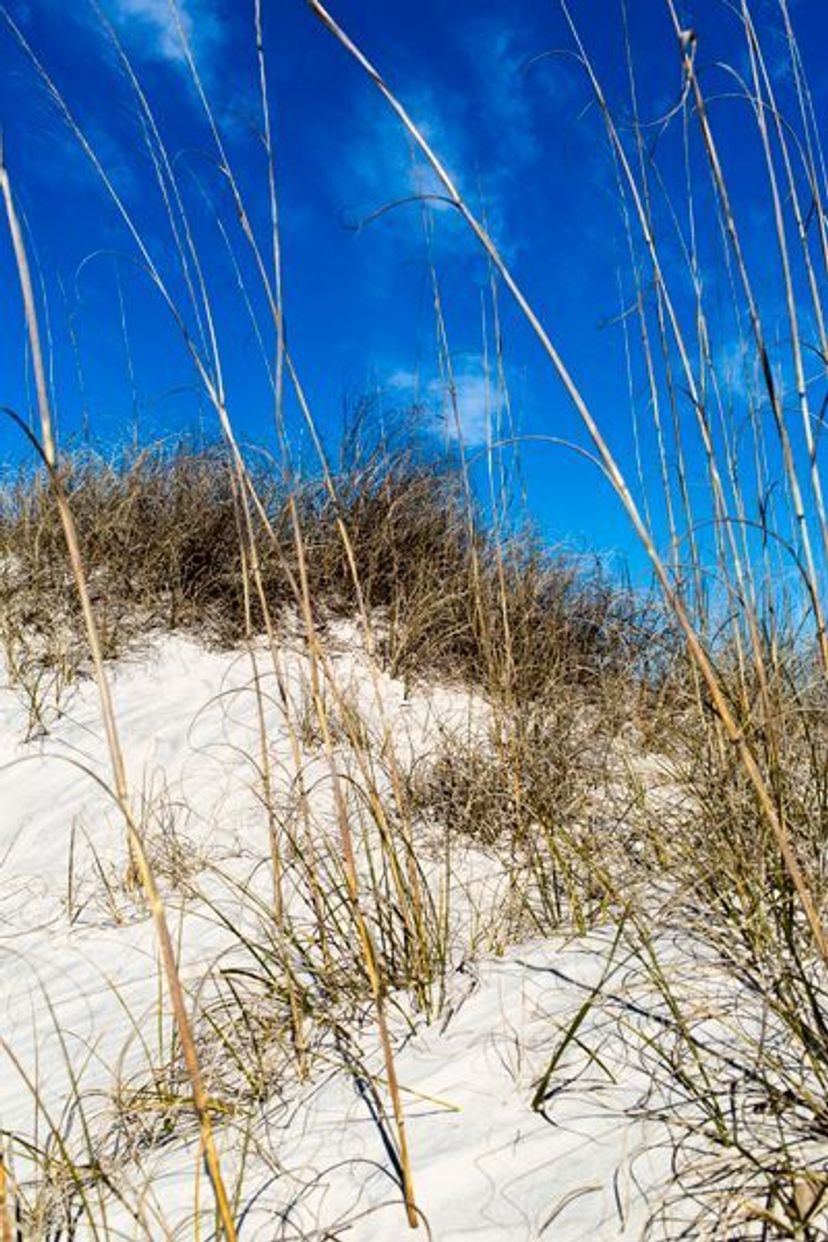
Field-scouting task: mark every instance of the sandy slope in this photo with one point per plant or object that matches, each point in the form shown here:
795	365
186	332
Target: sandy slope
80	988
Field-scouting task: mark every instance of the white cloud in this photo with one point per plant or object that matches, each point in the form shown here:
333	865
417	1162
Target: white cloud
58	159
382	166
385	162
154	26
734	368
486	134
500	63
471	414
740	373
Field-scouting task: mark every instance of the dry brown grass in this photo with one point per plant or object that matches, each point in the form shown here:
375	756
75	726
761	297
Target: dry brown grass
564	656
159	533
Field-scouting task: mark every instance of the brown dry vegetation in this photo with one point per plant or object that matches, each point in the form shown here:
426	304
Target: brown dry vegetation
160	538
658	761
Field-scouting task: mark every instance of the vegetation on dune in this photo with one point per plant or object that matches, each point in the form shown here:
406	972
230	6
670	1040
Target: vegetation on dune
652	762
160	535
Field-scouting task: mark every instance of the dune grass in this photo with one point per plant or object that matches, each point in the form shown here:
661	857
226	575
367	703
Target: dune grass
651	760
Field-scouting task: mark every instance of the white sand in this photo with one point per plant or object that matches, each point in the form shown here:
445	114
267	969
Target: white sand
80	988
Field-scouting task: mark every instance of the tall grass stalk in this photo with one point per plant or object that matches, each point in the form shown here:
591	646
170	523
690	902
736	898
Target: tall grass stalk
139	870
694	642
351	911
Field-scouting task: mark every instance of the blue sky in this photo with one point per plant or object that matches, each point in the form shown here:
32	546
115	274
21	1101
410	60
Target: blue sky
513	122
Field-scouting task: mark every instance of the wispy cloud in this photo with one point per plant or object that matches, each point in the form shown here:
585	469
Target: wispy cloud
383	166
56	158
484	124
384	163
498	59
467	412
154	27
740	372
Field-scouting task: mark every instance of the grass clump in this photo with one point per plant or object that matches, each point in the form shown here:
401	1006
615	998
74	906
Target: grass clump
585	687
159	532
